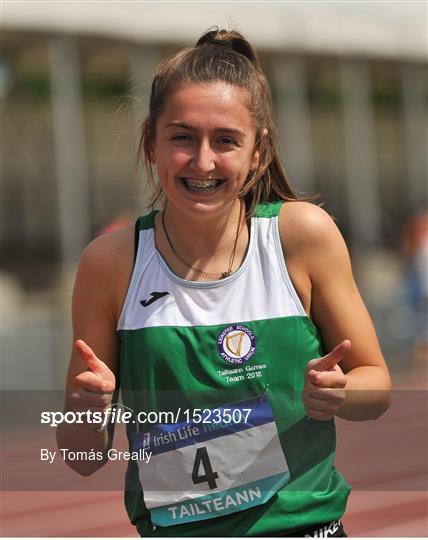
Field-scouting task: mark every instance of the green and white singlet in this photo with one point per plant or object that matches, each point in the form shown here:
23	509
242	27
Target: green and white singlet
237	455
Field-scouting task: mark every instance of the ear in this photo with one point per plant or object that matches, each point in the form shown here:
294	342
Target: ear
255	160
256	157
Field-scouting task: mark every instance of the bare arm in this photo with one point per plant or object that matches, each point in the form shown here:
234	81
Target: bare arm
356	385
92	379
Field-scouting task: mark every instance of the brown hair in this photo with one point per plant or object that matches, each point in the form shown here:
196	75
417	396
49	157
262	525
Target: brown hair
220	55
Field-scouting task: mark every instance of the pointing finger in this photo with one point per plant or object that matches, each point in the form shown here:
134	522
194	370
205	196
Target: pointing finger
327	362
89	357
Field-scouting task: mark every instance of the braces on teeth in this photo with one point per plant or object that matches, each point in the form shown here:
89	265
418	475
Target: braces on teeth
200	183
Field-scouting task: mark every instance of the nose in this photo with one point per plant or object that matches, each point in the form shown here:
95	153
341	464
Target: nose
203	160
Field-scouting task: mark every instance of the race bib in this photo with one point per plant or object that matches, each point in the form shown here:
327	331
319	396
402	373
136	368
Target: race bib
205	470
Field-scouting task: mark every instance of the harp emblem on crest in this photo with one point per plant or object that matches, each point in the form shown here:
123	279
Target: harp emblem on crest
236	344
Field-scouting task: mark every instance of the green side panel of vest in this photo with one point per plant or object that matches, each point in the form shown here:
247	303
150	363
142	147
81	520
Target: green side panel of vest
147	221
268	210
185	369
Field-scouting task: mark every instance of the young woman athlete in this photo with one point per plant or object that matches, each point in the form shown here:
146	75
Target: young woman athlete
233	307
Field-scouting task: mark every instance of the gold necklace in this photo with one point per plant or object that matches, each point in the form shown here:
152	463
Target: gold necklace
208	275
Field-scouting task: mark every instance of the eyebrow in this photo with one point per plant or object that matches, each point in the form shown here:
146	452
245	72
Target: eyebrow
182	125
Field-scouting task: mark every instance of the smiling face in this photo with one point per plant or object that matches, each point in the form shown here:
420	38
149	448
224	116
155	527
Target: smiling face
204	147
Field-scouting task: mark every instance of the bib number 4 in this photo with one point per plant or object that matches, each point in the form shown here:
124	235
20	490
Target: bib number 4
210	476
212	473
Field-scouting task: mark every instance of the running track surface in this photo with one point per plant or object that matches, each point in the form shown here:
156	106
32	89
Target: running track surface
385	461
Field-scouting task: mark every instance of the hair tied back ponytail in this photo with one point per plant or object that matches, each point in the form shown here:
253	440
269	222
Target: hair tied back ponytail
232	39
220	42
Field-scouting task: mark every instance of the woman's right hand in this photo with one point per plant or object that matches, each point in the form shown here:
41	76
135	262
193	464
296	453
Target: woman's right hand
93	389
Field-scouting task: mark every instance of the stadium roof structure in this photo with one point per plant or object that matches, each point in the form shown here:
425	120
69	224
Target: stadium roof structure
385	29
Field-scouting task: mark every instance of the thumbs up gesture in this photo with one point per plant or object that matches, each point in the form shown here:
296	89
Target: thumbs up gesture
93	388
324	386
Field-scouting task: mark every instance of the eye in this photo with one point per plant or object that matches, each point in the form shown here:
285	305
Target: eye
228	141
181	137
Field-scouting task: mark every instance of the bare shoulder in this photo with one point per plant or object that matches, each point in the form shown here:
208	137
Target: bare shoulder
107	247
310	234
304	223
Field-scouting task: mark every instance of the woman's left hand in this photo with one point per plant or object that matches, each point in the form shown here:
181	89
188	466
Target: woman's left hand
324	386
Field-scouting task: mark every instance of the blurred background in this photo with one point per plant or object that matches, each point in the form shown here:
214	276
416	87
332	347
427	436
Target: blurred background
350	88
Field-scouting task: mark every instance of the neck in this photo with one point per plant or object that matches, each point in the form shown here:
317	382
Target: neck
199	250
195	238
